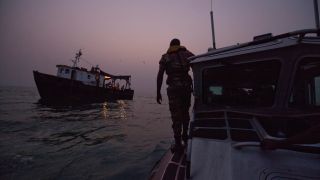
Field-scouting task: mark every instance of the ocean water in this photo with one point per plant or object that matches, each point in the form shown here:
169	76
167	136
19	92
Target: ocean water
111	140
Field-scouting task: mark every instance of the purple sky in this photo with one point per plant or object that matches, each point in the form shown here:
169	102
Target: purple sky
129	37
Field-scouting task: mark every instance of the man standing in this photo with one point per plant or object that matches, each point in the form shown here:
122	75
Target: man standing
176	65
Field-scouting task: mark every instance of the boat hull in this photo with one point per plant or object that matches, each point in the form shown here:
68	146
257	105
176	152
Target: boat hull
56	89
171	166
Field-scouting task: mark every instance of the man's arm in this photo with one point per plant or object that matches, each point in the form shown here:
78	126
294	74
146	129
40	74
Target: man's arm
159	83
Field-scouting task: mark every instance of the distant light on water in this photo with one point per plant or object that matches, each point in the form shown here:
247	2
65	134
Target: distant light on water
105	110
122	109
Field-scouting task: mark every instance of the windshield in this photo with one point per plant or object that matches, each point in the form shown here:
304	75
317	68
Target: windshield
246	85
306	89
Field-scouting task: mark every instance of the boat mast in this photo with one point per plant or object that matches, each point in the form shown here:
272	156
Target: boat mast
77	58
316	14
212	29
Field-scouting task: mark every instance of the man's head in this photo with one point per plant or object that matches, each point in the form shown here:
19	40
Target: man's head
175	42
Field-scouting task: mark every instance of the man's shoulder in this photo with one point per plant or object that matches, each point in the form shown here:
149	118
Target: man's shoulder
164	58
188	53
164	55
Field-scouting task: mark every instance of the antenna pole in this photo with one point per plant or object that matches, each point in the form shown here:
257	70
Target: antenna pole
316	13
212	29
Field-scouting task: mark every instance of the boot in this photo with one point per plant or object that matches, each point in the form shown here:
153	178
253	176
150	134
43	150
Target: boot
185	140
185	134
177	146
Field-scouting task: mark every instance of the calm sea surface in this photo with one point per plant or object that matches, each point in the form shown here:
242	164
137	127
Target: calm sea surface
111	140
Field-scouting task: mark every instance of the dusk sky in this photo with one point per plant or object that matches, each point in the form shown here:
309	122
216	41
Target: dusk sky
129	36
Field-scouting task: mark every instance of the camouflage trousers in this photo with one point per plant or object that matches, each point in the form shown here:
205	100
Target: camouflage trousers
179	104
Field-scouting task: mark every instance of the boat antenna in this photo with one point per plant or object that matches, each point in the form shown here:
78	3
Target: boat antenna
77	58
212	29
316	14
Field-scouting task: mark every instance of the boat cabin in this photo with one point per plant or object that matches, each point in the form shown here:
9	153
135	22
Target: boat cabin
265	89
94	77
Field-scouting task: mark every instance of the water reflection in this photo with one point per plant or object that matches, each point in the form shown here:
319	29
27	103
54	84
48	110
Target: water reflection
118	109
109	140
122	109
105	110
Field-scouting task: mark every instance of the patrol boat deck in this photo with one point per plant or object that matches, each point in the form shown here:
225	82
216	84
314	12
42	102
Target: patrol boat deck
265	89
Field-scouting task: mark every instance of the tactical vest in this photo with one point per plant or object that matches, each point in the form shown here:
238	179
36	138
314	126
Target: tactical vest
177	68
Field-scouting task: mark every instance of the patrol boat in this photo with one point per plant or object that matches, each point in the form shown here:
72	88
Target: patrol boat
268	88
74	84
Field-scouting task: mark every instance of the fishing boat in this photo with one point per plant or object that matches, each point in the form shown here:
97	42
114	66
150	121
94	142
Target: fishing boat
246	95
74	84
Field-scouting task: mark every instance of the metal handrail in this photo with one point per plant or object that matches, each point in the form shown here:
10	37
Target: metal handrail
240	145
301	34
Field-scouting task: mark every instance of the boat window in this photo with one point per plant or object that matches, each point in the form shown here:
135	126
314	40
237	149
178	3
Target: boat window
67	71
220	134
306	88
234	126
250	84
243	135
61	70
89	76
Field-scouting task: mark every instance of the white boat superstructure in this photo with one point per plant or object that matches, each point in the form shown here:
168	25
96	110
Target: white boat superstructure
81	74
265	89
227	146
